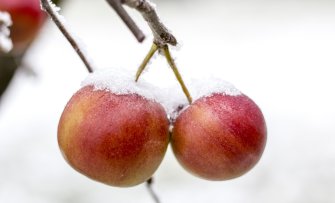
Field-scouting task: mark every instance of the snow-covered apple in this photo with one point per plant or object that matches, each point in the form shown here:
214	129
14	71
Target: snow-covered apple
220	136
115	138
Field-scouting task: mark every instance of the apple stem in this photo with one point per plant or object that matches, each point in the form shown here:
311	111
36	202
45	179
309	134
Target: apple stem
173	66
146	60
151	191
46	6
166	51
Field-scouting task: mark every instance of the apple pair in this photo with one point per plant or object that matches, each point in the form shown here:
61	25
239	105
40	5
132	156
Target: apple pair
120	138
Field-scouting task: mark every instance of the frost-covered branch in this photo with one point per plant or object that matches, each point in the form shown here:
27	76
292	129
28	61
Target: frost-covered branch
5	42
52	11
162	36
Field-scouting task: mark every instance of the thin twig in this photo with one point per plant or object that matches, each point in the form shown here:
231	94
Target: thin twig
162	35
46	5
117	6
151	191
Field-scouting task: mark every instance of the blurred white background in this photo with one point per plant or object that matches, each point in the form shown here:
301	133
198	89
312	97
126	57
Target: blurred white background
280	53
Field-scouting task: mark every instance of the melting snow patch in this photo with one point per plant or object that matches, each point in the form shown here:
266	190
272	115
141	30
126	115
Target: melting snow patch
5	43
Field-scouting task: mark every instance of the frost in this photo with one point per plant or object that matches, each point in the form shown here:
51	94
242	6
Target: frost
172	98
209	85
55	9
153	5
122	81
5	43
53	6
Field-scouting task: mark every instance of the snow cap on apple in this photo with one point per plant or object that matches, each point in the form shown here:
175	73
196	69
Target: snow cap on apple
221	135
113	131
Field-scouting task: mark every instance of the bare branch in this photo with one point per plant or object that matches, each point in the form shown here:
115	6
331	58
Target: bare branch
117	6
162	35
151	191
46	5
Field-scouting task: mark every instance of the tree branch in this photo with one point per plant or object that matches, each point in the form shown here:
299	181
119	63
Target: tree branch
117	6
162	35
49	7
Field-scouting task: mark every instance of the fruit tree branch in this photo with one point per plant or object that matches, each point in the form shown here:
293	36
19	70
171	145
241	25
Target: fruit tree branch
162	36
117	6
50	8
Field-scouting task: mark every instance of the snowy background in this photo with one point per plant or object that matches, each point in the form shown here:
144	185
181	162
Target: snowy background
280	53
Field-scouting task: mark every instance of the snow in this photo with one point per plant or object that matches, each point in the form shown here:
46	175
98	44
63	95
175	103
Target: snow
5	42
53	6
152	4
122	81
206	86
280	53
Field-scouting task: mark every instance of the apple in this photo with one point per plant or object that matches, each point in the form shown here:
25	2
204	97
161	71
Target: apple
116	139
27	18
220	136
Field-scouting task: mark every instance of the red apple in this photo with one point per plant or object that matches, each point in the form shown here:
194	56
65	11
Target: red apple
27	18
219	137
119	140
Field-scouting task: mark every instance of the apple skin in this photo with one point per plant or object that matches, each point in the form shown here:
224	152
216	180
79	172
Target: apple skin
119	140
27	18
219	137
